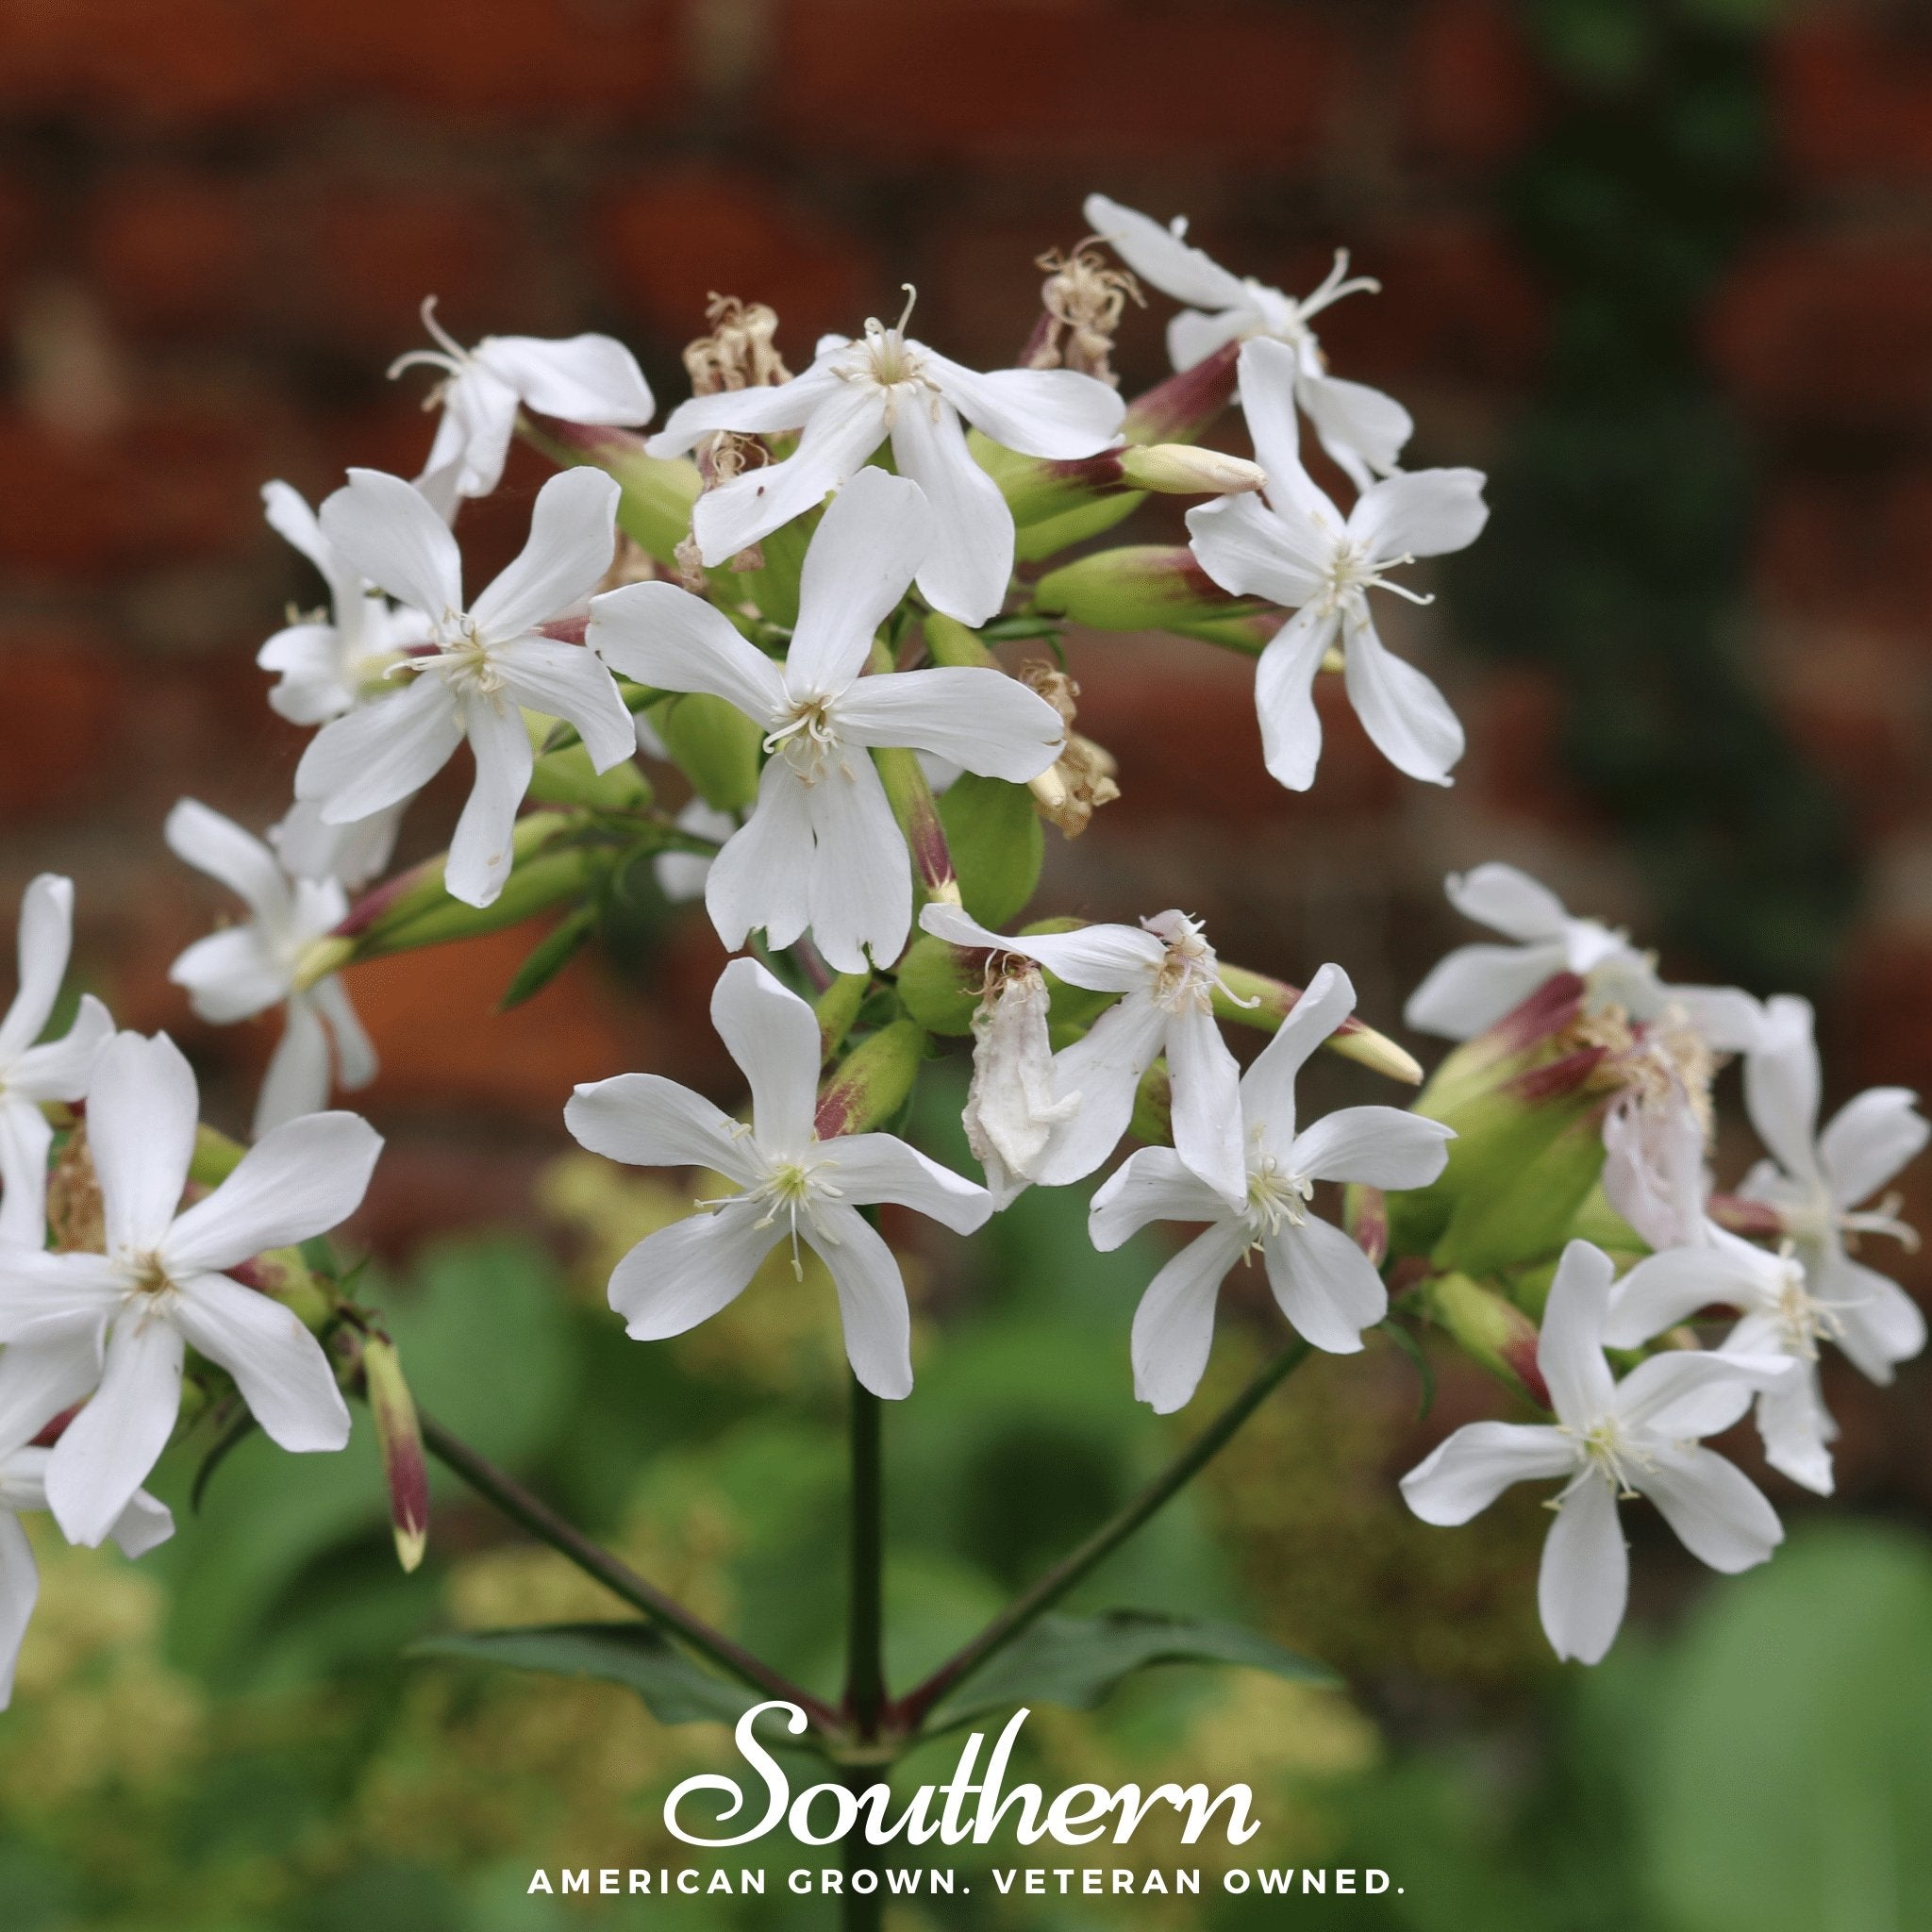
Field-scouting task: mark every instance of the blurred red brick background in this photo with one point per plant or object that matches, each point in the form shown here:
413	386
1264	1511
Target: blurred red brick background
218	219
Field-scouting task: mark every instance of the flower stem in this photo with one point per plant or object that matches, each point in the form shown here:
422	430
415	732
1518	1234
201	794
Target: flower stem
911	1710
543	1522
865	1678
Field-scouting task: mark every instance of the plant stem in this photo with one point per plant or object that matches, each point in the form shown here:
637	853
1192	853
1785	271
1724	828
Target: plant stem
912	1709
865	1679
543	1522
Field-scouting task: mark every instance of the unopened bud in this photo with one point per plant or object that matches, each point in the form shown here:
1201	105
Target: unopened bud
1180	469
836	1008
1493	1331
1140	587
568	777
1365	1215
399	1434
950	643
918	813
993	835
714	744
1252	999
941	984
1153	1116
1184	407
873	1083
552	877
399	902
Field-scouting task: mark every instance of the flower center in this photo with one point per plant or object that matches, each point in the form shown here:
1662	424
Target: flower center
793	1194
1277	1197
1802	1317
1354	571
1607	1452
1188	971
808	740
895	366
462	659
148	1275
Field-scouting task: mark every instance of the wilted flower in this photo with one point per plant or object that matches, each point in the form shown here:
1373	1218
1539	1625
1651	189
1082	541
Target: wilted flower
1011	1107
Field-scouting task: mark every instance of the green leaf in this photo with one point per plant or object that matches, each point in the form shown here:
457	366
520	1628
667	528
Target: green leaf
678	1690
549	956
1076	1661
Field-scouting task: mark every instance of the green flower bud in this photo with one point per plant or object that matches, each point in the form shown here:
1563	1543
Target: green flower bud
1493	1331
405	1469
996	843
1184	407
1051	535
950	643
1252	999
1140	587
940	985
714	744
1180	469
552	878
655	509
1153	1116
918	814
838	1007
873	1082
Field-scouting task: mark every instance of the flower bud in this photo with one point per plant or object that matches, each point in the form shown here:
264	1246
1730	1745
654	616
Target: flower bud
941	984
655	508
1084	521
918	813
551	878
1493	1331
1180	469
836	1008
1365	1215
1252	999
873	1082
400	1435
568	777
952	643
1184	407
714	744
1153	1116
400	901
1140	587
993	835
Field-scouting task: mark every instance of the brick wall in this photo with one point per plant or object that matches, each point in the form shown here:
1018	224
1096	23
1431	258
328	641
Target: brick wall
217	220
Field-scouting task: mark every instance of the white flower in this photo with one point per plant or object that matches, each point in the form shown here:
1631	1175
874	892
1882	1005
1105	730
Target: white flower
311	848
794	1187
1167	973
143	1523
1327	1287
31	1073
328	661
1298	550
161	1284
484	662
857	394
1655	1174
1610	1440
1470	988
821	848
583	379
1361	427
1810	1290
681	875
1011	1107
243	969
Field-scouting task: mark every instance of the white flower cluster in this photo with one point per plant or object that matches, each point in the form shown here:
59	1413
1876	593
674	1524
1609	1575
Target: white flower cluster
404	667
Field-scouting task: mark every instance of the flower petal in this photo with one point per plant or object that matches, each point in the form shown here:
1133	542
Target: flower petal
104	1452
48	1297
1174	1326
301	1180
296	1081
873	537
292	520
773	1035
51	1370
20	1590
1207	1083
1796	1429
1325	1286
26	1137
1781	1085
1101	959
1252	551
480	857
1465	1472
684	1274
1159	256
1584	1583
1285	698
1057	414
355	1063
1683	1393
1508	900
62	1068
569	682
1570	1352
1272	384
280	1369
243	863
846	425
1151	1184
573	538
1382	1146
588	378
967	567
862	874
231	975
763	875
1879	1324
1665	1289
381	754
1103	1068
1407	717
1420	513
46	938
645	1120
1870	1138
1361	427
765	409
1468	991
662	636
145	1522
1719	1513
871	1303
981	719
143	1109
1267	1085
881	1167
388	530
1192	337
